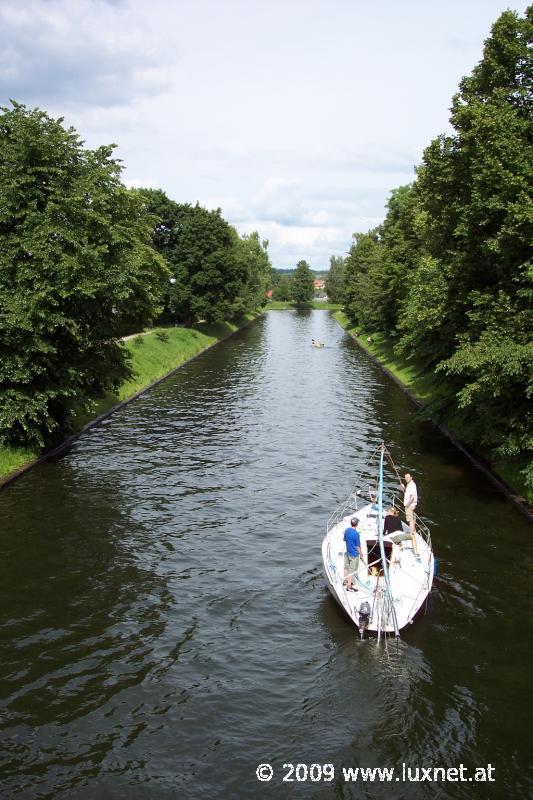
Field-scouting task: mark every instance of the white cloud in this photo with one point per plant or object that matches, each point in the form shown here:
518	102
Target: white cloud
297	119
83	52
288	245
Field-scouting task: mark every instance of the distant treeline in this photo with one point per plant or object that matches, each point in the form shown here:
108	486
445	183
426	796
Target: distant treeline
295	286
84	260
290	271
449	274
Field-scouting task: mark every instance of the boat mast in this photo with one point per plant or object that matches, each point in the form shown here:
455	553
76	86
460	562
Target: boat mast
384	564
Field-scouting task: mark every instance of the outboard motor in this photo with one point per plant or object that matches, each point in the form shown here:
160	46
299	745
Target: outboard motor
364	616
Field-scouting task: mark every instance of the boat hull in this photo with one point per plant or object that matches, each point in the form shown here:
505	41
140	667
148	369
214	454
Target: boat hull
410	577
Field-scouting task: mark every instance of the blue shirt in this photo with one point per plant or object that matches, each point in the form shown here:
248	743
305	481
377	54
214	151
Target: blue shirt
353	541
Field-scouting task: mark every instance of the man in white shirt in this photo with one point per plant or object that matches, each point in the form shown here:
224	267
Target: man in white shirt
410	500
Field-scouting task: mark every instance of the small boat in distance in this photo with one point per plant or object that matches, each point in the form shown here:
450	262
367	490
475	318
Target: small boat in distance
392	582
317	343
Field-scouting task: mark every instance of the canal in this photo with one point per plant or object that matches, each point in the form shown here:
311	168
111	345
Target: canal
165	625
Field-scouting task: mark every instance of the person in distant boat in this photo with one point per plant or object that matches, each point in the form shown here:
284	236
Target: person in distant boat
353	553
410	499
392	522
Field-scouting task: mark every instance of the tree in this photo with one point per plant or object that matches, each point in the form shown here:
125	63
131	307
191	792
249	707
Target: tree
362	298
423	320
303	285
275	277
76	264
477	190
494	360
282	288
400	237
476	185
452	260
214	274
256	265
165	215
335	279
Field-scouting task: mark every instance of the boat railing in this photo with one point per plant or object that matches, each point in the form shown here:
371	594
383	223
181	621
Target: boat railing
349	507
422	529
359	498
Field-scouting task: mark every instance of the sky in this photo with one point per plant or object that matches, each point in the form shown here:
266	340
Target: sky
297	117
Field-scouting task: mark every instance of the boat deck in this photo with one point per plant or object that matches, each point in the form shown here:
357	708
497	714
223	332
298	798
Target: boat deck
410	578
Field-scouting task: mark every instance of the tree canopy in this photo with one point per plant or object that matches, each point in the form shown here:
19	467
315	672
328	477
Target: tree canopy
84	260
450	270
335	280
303	284
76	265
215	273
282	288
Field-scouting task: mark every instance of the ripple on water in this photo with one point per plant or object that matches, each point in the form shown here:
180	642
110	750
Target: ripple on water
165	623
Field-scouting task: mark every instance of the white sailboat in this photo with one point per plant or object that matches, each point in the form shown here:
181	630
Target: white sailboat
392	582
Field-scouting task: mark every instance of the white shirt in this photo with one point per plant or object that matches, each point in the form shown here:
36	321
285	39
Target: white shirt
410	497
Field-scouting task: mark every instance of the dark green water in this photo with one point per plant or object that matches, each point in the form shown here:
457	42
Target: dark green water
165	625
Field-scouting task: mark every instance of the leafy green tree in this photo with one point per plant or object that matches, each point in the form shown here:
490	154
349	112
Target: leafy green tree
76	265
476	188
494	362
335	279
166	215
303	284
256	265
210	278
424	313
476	185
282	288
215	273
275	277
362	268
455	275
401	239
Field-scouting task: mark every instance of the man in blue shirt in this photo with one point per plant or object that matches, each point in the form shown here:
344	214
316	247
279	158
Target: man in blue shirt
353	553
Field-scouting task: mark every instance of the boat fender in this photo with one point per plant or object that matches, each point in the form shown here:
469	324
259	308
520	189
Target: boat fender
434	566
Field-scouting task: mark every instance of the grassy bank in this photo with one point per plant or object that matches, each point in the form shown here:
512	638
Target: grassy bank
153	355
12	458
279	305
427	389
423	387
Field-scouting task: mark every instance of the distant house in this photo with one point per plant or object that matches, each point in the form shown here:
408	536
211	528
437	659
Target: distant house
320	284
269	294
